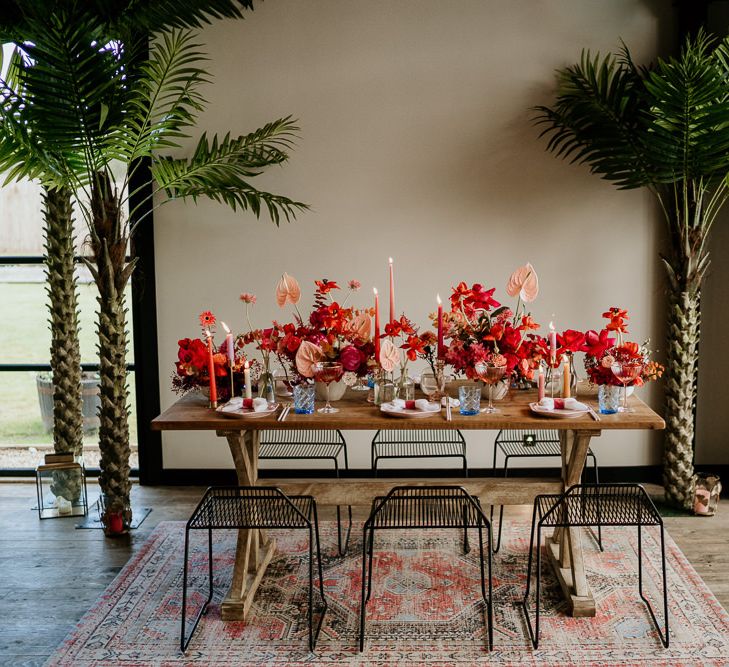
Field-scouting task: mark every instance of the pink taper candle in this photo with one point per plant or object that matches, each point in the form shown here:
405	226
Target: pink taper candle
540	383
392	293
377	325
229	343
211	371
441	347
552	344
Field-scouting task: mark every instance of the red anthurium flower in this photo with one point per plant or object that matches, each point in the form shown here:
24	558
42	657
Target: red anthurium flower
324	286
570	341
596	344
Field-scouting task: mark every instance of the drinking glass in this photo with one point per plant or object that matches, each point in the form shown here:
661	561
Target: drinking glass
490	375
304	398
626	371
469	396
328	372
362	384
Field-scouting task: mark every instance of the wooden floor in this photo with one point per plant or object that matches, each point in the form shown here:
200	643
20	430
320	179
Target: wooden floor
52	573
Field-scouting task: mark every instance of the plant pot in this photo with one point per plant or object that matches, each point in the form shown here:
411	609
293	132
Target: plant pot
89	396
336	390
501	389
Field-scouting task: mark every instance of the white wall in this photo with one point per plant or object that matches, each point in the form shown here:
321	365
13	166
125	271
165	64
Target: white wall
416	142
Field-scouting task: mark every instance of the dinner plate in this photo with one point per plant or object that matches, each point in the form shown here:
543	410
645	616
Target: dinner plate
247	413
404	413
557	414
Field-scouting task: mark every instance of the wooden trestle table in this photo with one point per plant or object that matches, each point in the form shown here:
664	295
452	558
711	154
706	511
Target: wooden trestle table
255	548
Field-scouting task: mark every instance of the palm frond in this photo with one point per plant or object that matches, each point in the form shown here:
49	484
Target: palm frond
220	169
597	119
163	100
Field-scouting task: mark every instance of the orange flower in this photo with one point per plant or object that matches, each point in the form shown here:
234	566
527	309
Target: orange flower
617	317
207	319
527	323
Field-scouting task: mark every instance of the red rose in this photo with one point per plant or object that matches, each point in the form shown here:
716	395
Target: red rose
351	358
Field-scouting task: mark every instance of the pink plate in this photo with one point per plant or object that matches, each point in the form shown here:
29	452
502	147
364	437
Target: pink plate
407	414
557	414
241	413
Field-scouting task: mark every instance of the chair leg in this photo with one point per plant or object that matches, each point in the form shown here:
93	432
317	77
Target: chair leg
325	606
487	599
311	589
525	602
370	551
343	544
185	641
597	501
466	545
664	636
497	544
363	601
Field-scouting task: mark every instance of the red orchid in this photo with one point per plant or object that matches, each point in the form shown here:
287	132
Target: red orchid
596	344
528	323
460	292
414	346
617	317
570	341
481	298
495	332
325	286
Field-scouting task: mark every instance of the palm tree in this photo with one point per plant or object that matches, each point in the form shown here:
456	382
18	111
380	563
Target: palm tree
65	355
103	108
665	128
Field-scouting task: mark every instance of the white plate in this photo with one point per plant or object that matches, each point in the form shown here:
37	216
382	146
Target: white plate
247	413
404	413
557	414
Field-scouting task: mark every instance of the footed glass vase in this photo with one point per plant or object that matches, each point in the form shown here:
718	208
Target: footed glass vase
608	398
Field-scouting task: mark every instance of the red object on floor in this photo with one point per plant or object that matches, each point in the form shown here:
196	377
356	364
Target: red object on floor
116	525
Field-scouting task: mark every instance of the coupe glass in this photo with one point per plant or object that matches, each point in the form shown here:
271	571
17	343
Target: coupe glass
429	385
328	372
490	375
626	371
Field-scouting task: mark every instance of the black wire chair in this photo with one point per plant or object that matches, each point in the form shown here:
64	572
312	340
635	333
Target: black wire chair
298	445
426	507
253	507
417	444
591	505
514	443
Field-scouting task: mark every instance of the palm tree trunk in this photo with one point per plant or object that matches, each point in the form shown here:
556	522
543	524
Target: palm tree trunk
682	366
111	273
65	351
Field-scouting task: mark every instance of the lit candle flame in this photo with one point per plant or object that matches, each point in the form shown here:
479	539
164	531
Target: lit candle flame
389	260
437	298
374	290
551	326
246	365
225	326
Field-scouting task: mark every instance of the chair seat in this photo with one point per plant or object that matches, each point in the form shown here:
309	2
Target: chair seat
227	508
298	450
604	505
421	511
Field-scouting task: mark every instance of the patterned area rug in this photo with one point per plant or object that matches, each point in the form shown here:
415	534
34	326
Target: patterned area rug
426	607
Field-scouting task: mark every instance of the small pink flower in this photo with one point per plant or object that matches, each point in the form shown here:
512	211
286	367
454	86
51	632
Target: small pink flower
354	285
246	297
607	361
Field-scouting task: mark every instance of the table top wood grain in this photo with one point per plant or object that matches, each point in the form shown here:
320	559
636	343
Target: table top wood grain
191	413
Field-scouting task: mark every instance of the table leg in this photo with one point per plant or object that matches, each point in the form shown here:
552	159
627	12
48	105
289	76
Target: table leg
564	547
254	549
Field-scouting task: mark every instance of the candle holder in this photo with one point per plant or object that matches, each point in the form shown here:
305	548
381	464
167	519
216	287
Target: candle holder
439	368
232	383
553	378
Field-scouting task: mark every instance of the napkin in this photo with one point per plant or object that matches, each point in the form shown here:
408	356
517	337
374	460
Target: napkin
421	404
238	403
562	404
454	401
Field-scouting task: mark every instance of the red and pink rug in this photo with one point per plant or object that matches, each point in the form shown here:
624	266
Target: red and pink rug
426	608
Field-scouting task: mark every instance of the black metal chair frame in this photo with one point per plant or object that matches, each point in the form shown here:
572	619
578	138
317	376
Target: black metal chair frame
287	445
593	504
425	507
416	444
223	507
546	445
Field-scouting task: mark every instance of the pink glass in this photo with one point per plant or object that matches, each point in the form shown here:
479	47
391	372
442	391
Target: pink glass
626	372
328	372
490	375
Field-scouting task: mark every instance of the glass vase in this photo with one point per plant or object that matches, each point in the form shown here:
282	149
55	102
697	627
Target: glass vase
384	390
267	386
405	388
608	398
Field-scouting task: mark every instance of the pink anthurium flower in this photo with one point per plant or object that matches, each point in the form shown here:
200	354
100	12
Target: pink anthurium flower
287	291
524	282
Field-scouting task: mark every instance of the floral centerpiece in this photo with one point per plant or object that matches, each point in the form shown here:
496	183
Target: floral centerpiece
332	332
480	329
603	351
193	363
